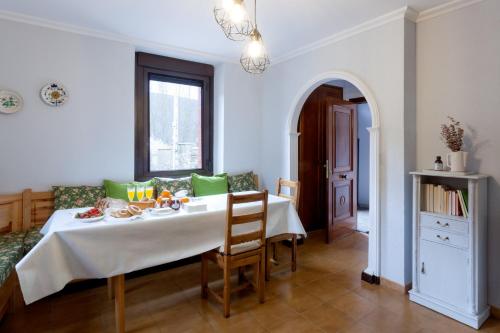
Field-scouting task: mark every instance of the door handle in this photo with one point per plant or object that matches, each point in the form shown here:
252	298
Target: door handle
423	268
327	168
344	176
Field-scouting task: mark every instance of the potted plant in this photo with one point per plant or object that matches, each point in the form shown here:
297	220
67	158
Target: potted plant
452	135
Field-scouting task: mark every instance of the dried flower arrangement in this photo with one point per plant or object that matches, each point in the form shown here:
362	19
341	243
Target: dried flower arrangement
452	134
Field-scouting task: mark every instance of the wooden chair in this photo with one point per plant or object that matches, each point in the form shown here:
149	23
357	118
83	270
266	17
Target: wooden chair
294	196
239	250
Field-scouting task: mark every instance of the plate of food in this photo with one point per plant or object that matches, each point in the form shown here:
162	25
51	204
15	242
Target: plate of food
90	215
128	213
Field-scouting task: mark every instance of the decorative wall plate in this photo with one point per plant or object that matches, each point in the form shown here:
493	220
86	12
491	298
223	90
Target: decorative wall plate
54	94
10	102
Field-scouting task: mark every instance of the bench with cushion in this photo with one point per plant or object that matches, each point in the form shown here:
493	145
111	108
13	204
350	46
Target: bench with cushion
21	217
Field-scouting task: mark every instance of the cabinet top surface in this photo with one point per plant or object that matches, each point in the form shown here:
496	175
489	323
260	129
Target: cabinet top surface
449	174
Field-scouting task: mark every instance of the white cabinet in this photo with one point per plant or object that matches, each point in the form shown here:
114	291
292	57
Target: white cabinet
449	252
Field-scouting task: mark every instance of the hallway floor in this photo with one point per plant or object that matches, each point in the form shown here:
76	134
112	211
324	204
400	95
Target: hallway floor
324	295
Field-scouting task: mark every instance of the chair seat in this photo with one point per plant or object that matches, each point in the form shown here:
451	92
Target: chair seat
33	236
243	247
11	251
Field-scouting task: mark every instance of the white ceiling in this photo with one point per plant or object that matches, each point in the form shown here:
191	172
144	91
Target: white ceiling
286	25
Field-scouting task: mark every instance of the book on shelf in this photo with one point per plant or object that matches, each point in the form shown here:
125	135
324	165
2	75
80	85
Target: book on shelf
442	199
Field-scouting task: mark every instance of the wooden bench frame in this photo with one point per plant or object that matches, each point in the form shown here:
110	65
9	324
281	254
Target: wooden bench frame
21	212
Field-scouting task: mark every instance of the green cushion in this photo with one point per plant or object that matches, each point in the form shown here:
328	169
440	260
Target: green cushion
77	196
209	185
173	185
11	251
242	182
119	190
33	236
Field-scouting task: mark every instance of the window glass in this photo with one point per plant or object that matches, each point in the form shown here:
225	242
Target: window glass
175	111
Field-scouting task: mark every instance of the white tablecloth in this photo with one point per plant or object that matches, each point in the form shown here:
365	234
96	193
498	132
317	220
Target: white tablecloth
71	249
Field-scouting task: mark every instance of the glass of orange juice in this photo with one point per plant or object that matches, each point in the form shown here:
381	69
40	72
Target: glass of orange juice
131	192
140	192
149	192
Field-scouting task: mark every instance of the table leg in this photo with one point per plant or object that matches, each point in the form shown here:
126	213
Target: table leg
119	284
111	288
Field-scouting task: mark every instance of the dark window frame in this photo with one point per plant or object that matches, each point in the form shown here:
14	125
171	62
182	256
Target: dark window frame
172	70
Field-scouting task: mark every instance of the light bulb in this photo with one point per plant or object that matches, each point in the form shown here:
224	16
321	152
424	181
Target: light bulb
227	4
255	48
237	13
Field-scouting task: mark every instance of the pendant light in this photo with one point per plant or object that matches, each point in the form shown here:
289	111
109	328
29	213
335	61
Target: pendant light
254	58
233	18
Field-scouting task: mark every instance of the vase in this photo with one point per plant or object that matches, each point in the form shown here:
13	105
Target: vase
457	161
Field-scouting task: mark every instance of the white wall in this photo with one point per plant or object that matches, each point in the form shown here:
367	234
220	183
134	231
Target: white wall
377	58
458	74
89	138
92	136
240	119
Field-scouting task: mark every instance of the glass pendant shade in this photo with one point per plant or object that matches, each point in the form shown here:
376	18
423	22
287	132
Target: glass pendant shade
233	18
254	58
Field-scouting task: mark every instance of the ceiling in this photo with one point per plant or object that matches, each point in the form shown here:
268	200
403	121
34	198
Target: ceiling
286	25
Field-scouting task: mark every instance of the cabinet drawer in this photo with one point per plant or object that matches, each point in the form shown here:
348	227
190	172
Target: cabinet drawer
444	237
442	223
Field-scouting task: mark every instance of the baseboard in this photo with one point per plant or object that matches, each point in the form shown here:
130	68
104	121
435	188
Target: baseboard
372	279
395	286
495	312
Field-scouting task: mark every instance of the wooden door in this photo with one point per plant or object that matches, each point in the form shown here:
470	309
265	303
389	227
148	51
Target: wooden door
341	154
312	141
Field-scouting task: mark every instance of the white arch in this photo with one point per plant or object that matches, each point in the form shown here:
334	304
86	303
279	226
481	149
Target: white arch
293	119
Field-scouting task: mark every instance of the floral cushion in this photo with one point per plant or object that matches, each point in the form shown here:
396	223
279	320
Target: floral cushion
173	185
33	236
11	251
77	196
242	182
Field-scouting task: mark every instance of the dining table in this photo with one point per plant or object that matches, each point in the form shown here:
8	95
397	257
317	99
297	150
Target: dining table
73	249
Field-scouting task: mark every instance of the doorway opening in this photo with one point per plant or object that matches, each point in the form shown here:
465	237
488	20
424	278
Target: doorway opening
333	160
372	271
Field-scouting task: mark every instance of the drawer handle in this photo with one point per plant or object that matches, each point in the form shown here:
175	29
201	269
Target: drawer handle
443	238
443	225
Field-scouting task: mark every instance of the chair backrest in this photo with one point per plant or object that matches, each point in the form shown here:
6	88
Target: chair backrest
294	187
259	216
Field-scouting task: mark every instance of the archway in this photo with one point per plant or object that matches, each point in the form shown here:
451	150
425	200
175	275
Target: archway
374	247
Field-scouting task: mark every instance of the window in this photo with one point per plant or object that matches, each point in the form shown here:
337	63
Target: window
173	117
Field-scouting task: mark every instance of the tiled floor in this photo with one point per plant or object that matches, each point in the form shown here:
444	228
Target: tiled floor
324	295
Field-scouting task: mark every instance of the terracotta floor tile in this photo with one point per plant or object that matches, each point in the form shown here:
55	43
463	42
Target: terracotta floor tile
354	305
328	318
298	325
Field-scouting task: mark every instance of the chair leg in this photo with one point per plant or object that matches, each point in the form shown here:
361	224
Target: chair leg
261	275
294	252
204	277
227	289
268	262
